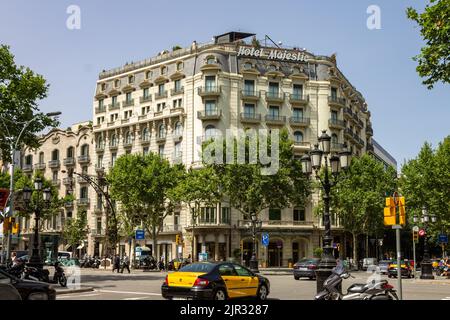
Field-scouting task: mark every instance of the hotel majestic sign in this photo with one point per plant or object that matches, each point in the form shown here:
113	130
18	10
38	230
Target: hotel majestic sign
272	54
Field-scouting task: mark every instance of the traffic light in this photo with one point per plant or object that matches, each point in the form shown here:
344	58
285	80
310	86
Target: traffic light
389	212
6	225
15	228
177	239
401	207
415	235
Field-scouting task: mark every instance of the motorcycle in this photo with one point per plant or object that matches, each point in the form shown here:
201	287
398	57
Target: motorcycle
96	263
16	270
31	273
148	263
375	290
59	276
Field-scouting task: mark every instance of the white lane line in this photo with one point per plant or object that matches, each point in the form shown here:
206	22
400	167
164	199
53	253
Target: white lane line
77	296
130	292
446	298
137	298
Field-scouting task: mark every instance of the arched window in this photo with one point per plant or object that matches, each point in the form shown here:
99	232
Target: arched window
128	138
178	129
148	74
70	152
29	160
145	134
55	154
100	142
113	140
210	132
180	66
116	83
131	79
162	131
211	60
298	136
334	138
41	157
163	70
85	150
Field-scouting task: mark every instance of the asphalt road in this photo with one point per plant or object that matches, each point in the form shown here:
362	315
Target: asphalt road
141	285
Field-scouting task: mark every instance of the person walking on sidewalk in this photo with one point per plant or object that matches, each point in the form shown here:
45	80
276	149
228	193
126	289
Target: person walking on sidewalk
125	263
116	264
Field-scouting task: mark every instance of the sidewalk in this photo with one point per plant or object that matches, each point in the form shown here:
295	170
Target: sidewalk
276	271
60	290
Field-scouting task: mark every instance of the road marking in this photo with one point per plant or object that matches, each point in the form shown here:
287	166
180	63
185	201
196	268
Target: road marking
77	296
446	298
130	292
137	298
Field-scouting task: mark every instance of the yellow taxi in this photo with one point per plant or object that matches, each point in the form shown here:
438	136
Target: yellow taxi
214	281
406	269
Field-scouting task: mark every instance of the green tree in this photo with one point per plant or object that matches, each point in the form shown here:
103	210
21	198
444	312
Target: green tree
143	184
434	59
358	197
76	230
20	91
198	188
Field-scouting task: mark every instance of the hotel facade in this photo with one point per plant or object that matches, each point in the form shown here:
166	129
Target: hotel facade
171	103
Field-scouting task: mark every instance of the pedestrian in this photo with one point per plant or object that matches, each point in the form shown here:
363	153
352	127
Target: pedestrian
125	263
116	263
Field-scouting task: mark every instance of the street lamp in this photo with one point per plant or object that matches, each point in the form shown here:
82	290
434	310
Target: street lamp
426	266
256	225
313	160
35	259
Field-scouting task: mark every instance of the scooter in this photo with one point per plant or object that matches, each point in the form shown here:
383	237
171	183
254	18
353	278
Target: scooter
375	290
31	273
59	276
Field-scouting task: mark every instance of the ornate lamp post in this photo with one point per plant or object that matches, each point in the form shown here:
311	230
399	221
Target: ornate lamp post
36	260
255	225
313	160
426	266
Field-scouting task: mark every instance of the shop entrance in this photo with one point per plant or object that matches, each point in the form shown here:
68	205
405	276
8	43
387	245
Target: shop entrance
275	253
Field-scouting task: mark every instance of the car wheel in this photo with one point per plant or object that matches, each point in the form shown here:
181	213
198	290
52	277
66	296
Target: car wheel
262	292
220	295
296	277
63	281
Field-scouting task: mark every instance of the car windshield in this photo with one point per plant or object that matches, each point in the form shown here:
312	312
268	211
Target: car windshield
198	267
308	261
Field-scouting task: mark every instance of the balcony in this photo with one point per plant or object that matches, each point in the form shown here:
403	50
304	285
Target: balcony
100	148
274	97
336	124
177	109
209	91
68	181
27	168
349	134
69	161
275	119
248	117
83	202
100	170
68	204
299	121
209	114
110	124
358	140
250	95
127	144
53	164
298	99
336	147
145	99
359	123
369	130
123	121
39	166
369	147
170	228
277	223
302	145
161	95
98	233
114	106
100	110
128	103
336	102
348	113
177	137
56	183
84	159
145	140
176	91
113	146
142	117
81	180
161	139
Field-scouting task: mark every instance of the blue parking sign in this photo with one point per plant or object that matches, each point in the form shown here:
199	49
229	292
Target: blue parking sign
140	234
265	239
443	238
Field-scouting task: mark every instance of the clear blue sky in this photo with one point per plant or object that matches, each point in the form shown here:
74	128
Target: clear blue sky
377	62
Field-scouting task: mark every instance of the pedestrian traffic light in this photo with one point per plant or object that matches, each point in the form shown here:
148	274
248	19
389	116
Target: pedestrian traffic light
389	212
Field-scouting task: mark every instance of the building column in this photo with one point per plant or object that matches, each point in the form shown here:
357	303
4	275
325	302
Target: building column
216	248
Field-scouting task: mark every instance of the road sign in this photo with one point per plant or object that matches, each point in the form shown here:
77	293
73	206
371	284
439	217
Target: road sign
421	232
265	239
443	238
140	234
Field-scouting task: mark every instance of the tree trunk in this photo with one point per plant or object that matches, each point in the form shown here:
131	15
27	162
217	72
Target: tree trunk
355	251
367	245
155	248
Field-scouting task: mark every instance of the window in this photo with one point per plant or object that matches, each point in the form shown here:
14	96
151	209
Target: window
177	85
334	93
113	158
85	150
131	79
334	115
241	271
69	152
226	215
208	215
41	157
210	83
148	74
117	83
180	66
298	136
297	113
99	225
161	150
29	160
211	60
114	100
248	65
178	129
103	86
177	149
128	138
100	142
176	218
249	87
227	270
55	155
146	93
163	70
127	114
274	112
334	139
100	161
99	201
162	131
298	214
83	193
210	132
100	104
128	97
113	142
161	90
160	107
273	89
210	107
145	151
69	215
249	110
274	214
297	91
84	170
55	175
145	134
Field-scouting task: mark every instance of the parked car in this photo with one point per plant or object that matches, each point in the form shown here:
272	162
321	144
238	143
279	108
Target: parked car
306	268
214	281
367	262
384	266
406	269
8	292
28	289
